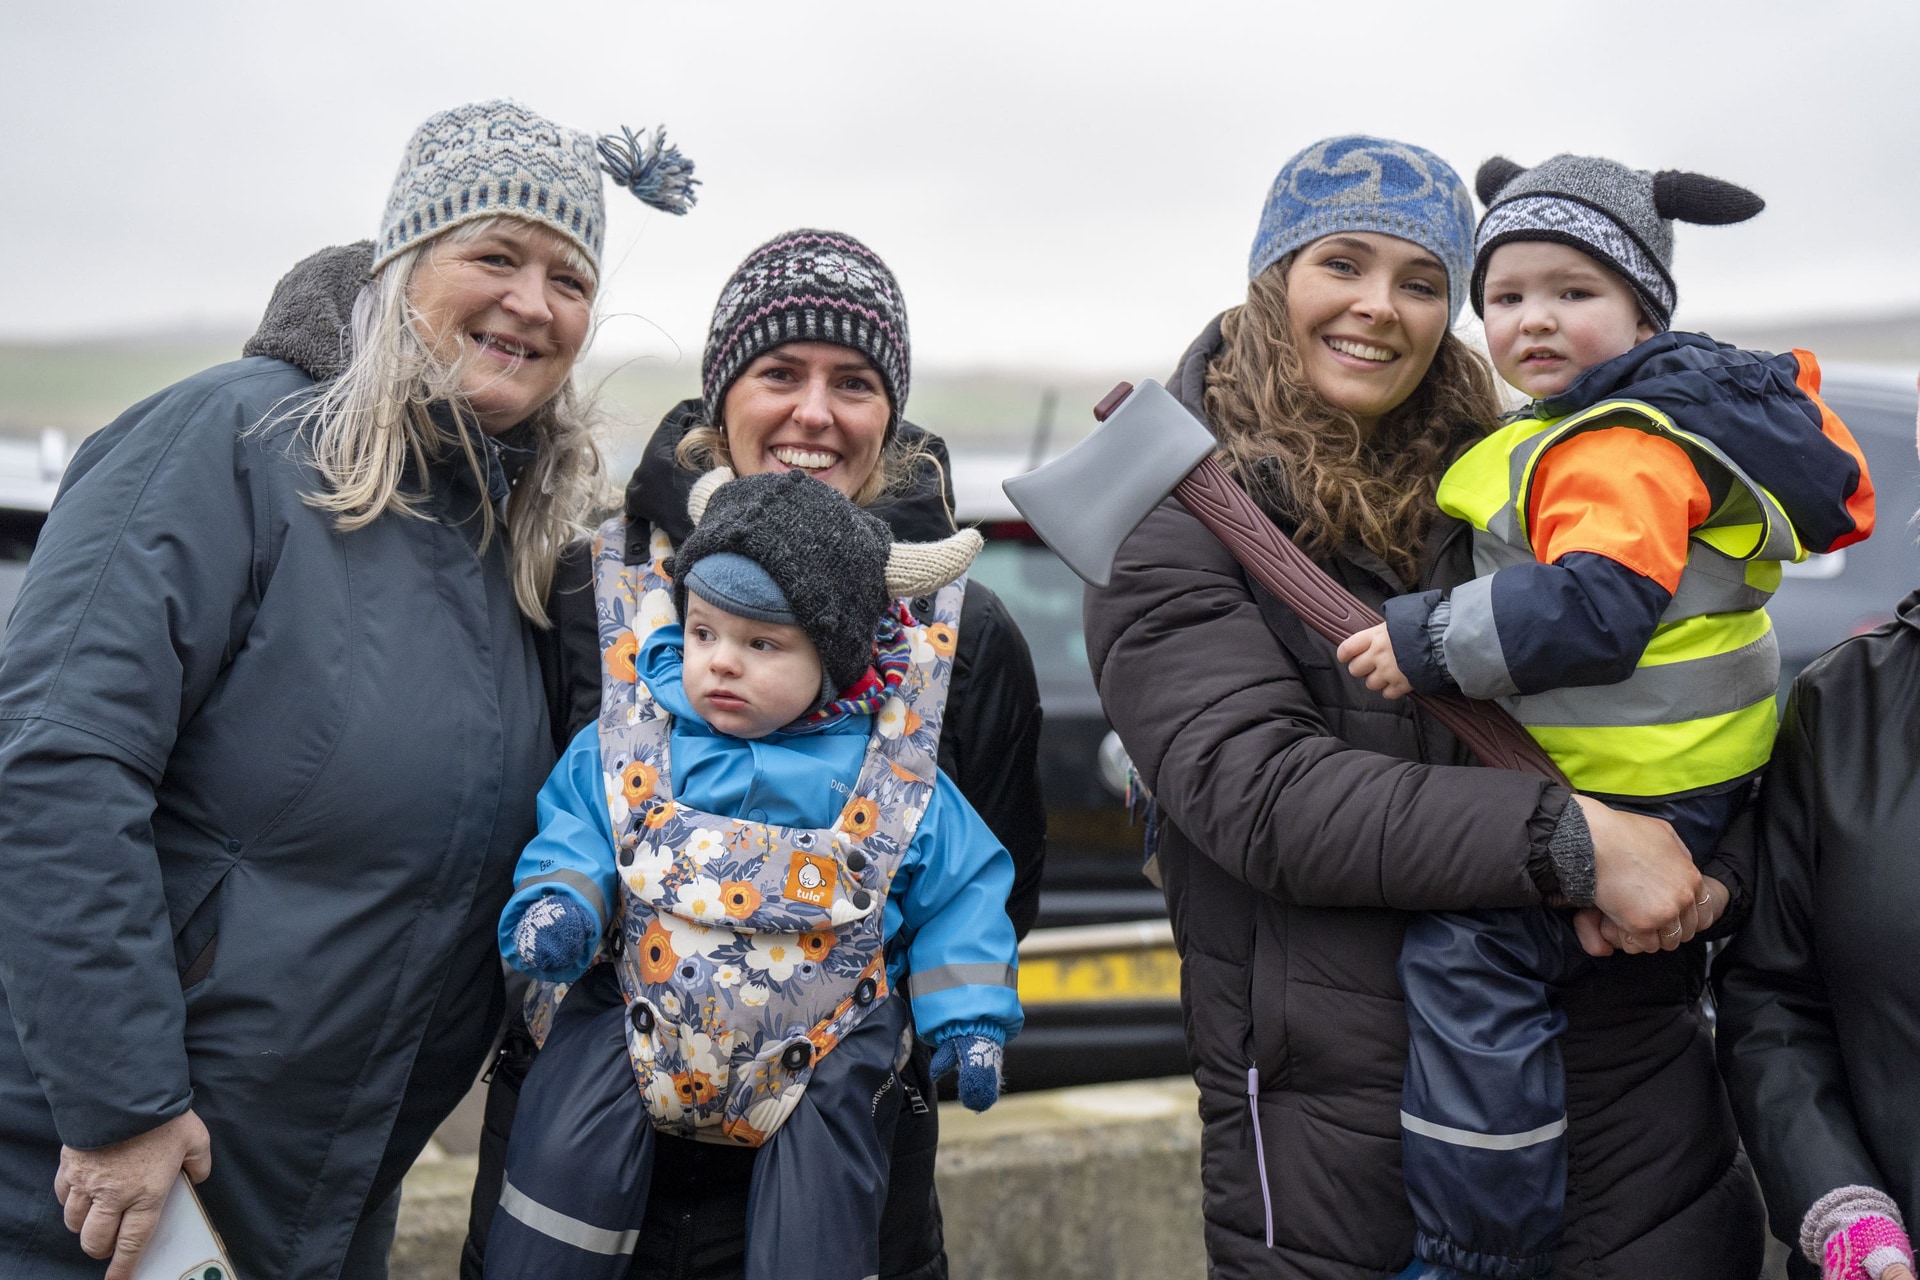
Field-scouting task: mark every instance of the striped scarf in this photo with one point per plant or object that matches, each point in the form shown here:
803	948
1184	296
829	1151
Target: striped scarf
892	656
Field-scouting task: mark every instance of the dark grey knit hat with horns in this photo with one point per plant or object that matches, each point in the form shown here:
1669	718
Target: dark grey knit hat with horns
1621	217
827	556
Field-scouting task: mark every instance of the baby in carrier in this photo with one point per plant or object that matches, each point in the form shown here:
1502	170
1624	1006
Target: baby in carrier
757	845
1628	529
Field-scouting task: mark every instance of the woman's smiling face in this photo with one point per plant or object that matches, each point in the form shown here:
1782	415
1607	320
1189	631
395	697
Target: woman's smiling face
510	307
1368	312
816	407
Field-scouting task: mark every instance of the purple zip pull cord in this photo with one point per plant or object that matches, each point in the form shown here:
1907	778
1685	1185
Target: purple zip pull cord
1259	1146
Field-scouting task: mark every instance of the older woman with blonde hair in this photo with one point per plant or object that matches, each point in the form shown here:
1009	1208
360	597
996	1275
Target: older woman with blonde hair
272	721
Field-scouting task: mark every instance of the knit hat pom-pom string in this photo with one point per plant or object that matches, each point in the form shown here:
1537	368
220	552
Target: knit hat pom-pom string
651	168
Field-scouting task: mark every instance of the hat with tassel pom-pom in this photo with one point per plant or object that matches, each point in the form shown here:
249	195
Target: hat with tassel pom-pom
497	158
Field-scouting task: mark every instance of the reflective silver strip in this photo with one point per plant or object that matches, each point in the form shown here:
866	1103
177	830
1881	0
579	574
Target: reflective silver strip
1472	643
558	1226
1671	693
1712	582
1483	1141
573	880
949	976
1492	552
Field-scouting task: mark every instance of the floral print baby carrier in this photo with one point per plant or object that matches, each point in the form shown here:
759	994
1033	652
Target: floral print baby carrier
746	951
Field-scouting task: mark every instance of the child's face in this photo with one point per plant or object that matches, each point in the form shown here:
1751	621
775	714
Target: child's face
747	678
1552	313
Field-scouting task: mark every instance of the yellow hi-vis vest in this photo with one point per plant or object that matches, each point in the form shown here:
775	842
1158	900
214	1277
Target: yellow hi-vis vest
1699	707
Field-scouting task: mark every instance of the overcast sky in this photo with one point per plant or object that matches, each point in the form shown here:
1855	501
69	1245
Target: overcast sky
1055	184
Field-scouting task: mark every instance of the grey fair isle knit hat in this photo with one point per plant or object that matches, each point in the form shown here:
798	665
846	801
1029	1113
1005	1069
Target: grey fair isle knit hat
1357	183
808	286
826	557
495	158
1622	218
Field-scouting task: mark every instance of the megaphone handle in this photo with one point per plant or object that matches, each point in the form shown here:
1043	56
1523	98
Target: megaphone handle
1220	504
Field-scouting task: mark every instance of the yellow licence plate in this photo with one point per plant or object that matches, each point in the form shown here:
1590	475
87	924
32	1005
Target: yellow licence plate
1101	977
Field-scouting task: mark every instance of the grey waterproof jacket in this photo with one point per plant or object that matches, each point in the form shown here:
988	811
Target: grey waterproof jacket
1304	814
264	786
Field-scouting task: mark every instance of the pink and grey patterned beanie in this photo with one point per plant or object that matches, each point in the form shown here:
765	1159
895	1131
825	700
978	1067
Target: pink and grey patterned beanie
808	286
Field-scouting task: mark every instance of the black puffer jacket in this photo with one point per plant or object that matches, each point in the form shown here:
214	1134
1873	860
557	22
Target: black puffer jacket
1819	1002
1279	774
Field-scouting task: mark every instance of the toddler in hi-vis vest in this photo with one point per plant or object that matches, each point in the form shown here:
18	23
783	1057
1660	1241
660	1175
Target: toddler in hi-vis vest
1628	527
756	841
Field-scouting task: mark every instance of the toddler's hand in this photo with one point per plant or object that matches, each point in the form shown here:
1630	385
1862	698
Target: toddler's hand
1369	656
979	1061
555	938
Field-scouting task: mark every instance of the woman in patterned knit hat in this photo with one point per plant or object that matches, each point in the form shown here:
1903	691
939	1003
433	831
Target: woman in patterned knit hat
274	722
1300	815
807	368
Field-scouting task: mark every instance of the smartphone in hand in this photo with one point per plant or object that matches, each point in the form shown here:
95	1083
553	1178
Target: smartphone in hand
185	1245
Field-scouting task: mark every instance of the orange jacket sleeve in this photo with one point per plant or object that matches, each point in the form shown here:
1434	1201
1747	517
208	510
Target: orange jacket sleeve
1624	494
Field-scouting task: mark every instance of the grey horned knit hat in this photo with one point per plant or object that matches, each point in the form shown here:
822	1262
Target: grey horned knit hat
826	557
1622	218
808	286
491	158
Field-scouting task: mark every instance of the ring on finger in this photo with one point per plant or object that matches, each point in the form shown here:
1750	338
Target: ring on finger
1674	934
1701	903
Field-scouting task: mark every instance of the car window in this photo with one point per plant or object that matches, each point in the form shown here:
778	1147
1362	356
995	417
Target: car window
1043	595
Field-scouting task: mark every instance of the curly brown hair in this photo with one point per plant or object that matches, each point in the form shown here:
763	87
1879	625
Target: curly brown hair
1309	463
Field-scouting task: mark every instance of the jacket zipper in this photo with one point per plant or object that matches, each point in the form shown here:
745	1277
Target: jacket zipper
1259	1147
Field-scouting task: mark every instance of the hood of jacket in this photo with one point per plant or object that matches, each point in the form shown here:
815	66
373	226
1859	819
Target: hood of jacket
1754	406
657	493
309	319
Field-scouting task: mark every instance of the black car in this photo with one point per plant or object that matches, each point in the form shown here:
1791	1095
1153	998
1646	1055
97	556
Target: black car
1825	599
29	476
1099	977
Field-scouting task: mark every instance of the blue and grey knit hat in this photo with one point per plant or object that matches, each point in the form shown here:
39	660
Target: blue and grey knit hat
492	158
1357	183
1621	218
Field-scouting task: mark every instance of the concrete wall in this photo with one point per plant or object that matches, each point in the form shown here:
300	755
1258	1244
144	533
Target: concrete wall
1098	1182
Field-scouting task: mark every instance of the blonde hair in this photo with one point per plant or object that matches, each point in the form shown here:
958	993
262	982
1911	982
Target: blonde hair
1310	463
366	425
894	471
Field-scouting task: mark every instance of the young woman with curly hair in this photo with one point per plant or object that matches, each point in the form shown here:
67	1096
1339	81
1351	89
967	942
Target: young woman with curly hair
1300	815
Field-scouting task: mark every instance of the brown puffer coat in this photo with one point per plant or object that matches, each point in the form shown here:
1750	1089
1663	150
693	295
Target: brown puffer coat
1304	814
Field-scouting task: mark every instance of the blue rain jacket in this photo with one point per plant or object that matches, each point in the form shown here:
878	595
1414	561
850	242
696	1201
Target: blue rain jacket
948	904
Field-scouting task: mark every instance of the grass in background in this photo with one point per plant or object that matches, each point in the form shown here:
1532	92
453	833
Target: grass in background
81	386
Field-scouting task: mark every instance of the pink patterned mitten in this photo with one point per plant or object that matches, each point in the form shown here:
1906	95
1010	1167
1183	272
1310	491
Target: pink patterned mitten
1864	1248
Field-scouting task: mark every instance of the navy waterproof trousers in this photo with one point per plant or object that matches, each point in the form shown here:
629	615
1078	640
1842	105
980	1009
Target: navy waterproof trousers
1483	1112
580	1161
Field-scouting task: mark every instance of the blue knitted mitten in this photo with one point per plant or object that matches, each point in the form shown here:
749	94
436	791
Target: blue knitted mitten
555	938
978	1058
